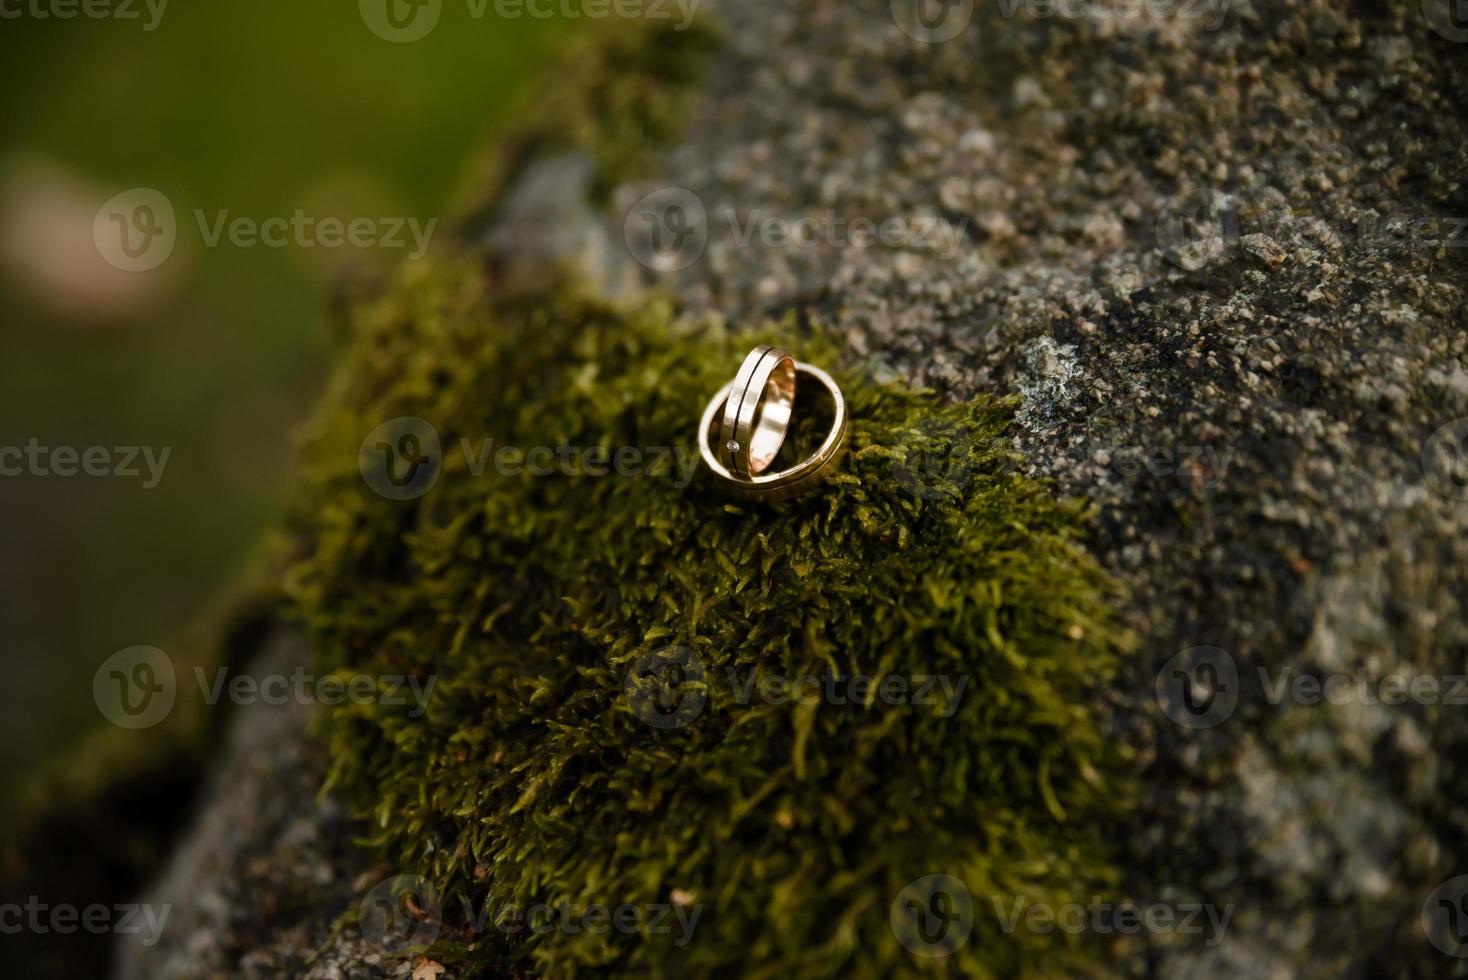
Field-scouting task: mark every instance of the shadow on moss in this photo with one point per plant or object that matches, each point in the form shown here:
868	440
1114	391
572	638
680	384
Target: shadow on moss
544	605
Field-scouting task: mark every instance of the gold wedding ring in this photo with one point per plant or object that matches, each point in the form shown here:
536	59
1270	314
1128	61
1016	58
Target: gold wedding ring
757	411
761	484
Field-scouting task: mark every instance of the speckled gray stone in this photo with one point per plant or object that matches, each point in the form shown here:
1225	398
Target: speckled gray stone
261	877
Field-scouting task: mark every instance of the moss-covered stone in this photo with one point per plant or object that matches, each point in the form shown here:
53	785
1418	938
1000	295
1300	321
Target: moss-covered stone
533	776
616	93
1313	354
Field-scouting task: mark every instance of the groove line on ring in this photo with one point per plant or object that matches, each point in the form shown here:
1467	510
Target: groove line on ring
728	432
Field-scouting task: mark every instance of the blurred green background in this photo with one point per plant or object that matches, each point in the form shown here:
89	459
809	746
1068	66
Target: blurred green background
257	107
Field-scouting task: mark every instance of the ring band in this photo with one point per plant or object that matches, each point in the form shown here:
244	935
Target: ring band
793	480
757	411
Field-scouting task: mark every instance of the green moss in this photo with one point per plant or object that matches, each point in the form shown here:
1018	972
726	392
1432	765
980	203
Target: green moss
533	776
